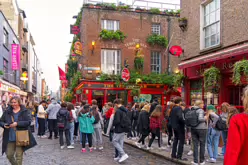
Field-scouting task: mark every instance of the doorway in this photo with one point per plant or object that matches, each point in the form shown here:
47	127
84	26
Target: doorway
98	95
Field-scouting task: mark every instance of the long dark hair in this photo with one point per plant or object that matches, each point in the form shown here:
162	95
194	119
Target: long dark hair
95	112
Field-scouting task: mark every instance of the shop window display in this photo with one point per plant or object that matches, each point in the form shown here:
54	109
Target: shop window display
195	90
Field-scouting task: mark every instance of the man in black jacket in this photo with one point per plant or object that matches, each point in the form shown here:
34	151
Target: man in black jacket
119	130
177	123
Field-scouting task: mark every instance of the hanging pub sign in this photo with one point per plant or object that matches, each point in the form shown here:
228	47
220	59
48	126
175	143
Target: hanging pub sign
78	48
176	50
125	75
75	29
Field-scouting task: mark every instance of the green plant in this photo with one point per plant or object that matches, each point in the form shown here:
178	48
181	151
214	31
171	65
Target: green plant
169	12
155	39
139	63
112	35
135	92
182	19
75	80
155	11
69	96
125	7
72	68
178	79
240	68
211	78
1	72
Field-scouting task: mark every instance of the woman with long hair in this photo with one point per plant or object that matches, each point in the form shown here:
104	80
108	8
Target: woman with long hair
98	123
143	125
237	144
15	118
41	116
169	127
155	125
72	118
224	114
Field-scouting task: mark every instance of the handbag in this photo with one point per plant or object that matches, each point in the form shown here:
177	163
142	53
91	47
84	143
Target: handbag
22	137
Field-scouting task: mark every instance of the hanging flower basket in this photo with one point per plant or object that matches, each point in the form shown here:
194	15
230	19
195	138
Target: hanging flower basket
212	79
240	69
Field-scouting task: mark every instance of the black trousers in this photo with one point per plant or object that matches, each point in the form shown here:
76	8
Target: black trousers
67	137
76	126
89	136
199	136
170	133
142	139
52	124
155	133
42	126
177	150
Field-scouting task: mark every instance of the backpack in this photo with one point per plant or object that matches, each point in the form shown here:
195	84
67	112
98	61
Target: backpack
97	118
221	124
125	123
61	120
191	118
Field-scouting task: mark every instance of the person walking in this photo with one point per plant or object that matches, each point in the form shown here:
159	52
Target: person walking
52	111
237	144
15	118
72	118
213	136
178	126
168	120
199	132
76	123
224	115
86	120
135	117
155	126
63	116
122	124
41	116
98	123
143	125
130	116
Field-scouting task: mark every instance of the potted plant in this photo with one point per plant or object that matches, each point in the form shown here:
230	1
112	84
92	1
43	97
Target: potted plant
155	39
177	13
155	11
169	12
98	6
139	10
124	8
240	69
212	79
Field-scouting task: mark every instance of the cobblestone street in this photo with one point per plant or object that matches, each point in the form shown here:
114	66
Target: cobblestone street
48	152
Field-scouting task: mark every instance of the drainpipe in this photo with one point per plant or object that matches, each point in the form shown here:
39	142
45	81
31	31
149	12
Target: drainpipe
168	52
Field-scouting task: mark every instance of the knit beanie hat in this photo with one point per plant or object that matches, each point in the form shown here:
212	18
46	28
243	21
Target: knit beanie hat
211	107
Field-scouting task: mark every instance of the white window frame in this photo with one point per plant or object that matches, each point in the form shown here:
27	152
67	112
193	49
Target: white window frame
210	24
156	28
106	60
156	66
5	37
113	25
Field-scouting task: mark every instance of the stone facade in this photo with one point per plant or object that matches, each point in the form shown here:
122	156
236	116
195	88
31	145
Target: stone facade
137	26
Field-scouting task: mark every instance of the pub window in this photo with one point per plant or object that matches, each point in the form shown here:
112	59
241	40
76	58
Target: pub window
195	91
156	29
111	61
212	24
155	62
5	68
110	25
5	37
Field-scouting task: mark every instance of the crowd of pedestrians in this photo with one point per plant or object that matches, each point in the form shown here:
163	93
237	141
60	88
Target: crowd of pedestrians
201	126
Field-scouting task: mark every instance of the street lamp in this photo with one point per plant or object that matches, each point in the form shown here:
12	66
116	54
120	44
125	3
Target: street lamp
93	43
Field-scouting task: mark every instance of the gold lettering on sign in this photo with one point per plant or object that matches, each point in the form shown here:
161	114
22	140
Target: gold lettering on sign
227	66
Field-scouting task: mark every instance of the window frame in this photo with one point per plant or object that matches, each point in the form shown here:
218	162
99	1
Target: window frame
208	26
5	68
104	24
5	38
155	64
158	32
105	61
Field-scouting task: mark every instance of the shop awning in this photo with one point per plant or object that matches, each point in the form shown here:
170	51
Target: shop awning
223	54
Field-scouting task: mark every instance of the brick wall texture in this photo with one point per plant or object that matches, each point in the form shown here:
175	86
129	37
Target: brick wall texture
136	25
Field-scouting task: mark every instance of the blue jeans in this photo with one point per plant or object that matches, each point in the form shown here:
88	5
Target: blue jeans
224	137
213	142
71	132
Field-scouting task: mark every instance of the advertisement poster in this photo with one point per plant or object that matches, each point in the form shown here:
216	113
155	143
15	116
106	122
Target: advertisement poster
15	56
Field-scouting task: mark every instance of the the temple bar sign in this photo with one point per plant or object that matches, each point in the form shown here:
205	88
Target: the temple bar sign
132	44
75	29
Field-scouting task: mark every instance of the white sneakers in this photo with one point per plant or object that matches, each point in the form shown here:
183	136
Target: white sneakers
117	158
62	147
190	153
203	163
70	147
212	160
138	144
100	148
193	163
43	137
123	158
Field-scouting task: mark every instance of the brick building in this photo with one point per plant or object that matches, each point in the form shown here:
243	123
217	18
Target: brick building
109	56
216	35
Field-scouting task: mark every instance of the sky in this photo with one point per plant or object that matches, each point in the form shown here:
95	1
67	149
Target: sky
49	23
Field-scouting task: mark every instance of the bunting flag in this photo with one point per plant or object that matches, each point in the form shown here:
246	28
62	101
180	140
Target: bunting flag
62	75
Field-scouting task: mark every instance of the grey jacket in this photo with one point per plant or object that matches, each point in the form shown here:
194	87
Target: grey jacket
100	122
224	116
202	120
53	109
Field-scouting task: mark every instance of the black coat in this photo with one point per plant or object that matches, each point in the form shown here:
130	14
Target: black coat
176	118
23	123
144	123
121	111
